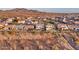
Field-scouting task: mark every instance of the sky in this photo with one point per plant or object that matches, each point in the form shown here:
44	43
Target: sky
58	10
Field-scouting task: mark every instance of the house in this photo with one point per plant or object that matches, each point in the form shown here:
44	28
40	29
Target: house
12	27
76	18
50	27
71	27
39	26
28	27
45	19
76	28
28	22
1	26
57	18
1	20
34	22
18	17
65	20
9	27
76	22
53	18
4	20
62	26
19	27
21	21
6	28
9	20
29	17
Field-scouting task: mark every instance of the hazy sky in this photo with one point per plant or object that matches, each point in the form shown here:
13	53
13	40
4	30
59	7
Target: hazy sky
60	10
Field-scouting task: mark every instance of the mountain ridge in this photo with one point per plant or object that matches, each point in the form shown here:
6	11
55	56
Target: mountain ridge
22	12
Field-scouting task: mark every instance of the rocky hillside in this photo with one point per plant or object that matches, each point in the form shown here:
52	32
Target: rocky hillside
38	41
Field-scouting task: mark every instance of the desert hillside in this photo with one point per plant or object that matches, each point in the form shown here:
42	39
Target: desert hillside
21	12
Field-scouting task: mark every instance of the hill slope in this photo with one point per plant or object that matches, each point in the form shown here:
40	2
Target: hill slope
21	12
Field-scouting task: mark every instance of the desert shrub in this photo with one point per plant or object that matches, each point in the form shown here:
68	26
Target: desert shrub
33	31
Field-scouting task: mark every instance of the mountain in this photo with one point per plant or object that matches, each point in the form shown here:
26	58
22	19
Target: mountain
22	12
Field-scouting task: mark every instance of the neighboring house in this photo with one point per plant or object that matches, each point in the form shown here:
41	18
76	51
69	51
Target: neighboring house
1	20
9	27
1	26
58	19
28	22
21	21
62	26
18	17
76	28
28	27
45	19
9	20
65	20
77	18
29	17
50	27
76	22
6	28
19	27
39	26
35	22
71	27
4	21
53	18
